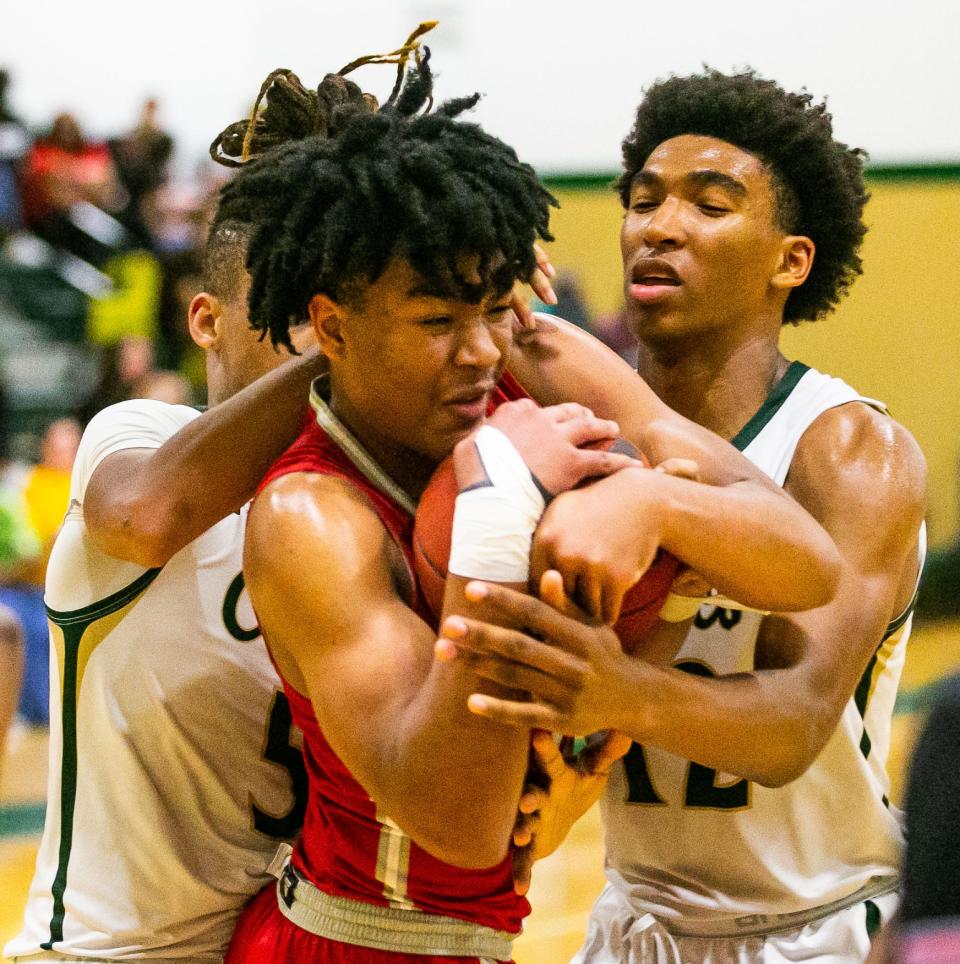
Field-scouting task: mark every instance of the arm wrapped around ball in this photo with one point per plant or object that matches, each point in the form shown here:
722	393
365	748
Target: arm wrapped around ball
498	482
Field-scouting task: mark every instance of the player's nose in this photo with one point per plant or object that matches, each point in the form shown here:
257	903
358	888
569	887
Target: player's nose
477	348
664	228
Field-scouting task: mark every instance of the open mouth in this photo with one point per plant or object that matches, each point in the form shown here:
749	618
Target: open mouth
654	272
653	280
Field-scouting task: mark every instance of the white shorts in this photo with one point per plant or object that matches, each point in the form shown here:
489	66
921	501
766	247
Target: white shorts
617	935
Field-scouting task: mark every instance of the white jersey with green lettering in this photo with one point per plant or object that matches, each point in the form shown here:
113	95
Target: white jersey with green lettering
686	843
172	774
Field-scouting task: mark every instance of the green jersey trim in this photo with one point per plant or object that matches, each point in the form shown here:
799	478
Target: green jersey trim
897	623
74	626
771	406
105	606
860	697
875	668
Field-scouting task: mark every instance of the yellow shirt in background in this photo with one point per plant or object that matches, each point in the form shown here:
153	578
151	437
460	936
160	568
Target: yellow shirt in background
47	494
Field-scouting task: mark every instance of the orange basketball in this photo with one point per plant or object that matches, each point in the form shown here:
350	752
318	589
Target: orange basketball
431	550
431	533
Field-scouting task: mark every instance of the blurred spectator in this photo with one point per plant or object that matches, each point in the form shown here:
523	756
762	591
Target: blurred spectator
121	364
931	876
37	498
926	929
14	142
141	158
614	330
571	304
19	549
129	372
19	545
66	180
47	488
163	386
11	673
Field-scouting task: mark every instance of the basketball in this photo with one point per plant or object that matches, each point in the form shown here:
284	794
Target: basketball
431	550
431	533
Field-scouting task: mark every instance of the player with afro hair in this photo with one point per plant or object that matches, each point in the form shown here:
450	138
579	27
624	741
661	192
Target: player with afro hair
818	181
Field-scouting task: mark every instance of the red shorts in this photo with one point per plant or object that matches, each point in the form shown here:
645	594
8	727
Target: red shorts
265	936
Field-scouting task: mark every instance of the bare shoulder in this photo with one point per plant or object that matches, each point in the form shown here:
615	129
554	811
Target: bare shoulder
306	523
854	460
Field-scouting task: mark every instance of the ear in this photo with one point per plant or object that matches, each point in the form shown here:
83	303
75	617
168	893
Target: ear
796	260
203	320
327	319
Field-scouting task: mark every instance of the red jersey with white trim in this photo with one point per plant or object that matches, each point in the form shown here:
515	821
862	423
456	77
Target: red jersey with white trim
348	848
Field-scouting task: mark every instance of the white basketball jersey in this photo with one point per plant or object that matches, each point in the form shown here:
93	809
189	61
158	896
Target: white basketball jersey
172	774
686	841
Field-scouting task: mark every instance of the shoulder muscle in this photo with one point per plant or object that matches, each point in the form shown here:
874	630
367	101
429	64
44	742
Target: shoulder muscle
863	476
310	529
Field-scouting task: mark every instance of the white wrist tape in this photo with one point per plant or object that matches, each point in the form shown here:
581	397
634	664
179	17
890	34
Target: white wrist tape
493	525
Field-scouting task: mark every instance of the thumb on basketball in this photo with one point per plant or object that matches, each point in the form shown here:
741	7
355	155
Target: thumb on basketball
553	594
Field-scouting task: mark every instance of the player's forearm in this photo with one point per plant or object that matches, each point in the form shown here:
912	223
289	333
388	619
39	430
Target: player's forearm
457	778
457	794
212	466
766	726
745	539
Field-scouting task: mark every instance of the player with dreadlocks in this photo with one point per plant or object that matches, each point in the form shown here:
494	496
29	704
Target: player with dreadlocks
401	239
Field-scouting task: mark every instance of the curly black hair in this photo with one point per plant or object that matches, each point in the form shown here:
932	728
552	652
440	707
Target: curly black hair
817	181
328	212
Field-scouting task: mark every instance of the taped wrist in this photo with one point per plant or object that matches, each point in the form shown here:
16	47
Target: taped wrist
493	523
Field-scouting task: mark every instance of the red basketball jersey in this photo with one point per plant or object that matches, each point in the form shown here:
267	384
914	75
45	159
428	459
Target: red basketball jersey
346	847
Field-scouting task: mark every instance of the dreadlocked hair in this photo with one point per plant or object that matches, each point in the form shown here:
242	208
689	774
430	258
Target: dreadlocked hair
285	110
327	215
817	181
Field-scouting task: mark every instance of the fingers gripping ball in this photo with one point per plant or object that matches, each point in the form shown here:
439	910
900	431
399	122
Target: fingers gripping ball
431	549
644	600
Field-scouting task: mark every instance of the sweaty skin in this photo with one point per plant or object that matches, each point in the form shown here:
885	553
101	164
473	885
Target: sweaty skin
709	349
735	527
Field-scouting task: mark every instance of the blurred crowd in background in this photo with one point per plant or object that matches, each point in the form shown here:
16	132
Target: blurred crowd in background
99	258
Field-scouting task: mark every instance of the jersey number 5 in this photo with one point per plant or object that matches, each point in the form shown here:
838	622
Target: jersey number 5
281	751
